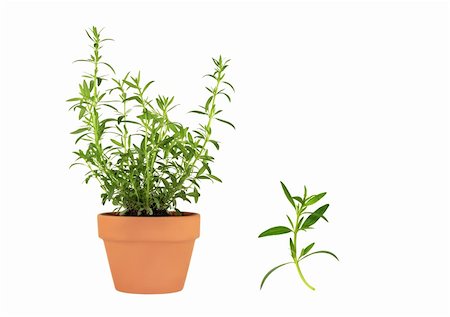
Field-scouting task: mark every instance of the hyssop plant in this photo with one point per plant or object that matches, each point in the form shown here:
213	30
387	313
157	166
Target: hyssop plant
143	161
303	221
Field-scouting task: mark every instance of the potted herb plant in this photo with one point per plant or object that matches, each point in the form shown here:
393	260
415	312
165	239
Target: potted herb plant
144	163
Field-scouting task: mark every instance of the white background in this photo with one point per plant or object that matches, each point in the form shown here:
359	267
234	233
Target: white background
346	97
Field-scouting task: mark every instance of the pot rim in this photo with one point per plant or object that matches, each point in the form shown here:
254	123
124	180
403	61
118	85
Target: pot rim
137	228
183	214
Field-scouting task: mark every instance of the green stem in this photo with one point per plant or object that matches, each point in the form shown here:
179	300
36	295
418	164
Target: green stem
95	116
208	136
147	180
163	132
301	275
125	139
299	212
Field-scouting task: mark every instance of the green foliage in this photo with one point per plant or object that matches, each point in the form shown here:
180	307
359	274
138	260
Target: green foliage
300	204
142	159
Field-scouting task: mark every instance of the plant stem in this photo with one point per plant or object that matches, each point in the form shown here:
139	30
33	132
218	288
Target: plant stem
211	114
147	179
299	212
301	275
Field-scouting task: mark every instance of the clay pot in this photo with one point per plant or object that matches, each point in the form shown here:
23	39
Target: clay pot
149	255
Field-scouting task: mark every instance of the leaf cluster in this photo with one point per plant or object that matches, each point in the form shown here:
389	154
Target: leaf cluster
143	160
303	221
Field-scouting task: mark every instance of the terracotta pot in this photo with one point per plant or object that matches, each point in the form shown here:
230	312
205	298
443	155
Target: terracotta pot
149	255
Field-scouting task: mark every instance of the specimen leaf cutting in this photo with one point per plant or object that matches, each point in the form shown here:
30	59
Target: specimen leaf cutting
303	220
143	160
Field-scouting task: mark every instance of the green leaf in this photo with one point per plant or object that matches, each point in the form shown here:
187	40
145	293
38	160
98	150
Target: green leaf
271	271
275	231
290	221
88	35
130	84
116	143
216	144
226	122
109	106
190	139
201	170
109	66
313	199
74	99
292	247
137	98
299	199
307	249
82	112
299	224
316	215
194	194
308	213
317	252
197	112
226	95
79	130
215	178
227	83
146	86
208	102
82	60
288	195
81	137
197	194
209	75
76	163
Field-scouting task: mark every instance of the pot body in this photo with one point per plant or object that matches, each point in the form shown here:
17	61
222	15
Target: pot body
149	255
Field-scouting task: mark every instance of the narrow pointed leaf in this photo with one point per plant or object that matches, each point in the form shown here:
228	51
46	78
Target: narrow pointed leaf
307	249
116	143
79	130
275	231
299	224
271	271
308	213
74	164
230	85
288	195
316	215
215	178
313	199
227	122
299	199
292	247
216	144
290	221
197	112
317	252
146	86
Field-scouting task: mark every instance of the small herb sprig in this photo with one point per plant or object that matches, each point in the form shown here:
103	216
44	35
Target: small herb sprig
143	161
303	222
